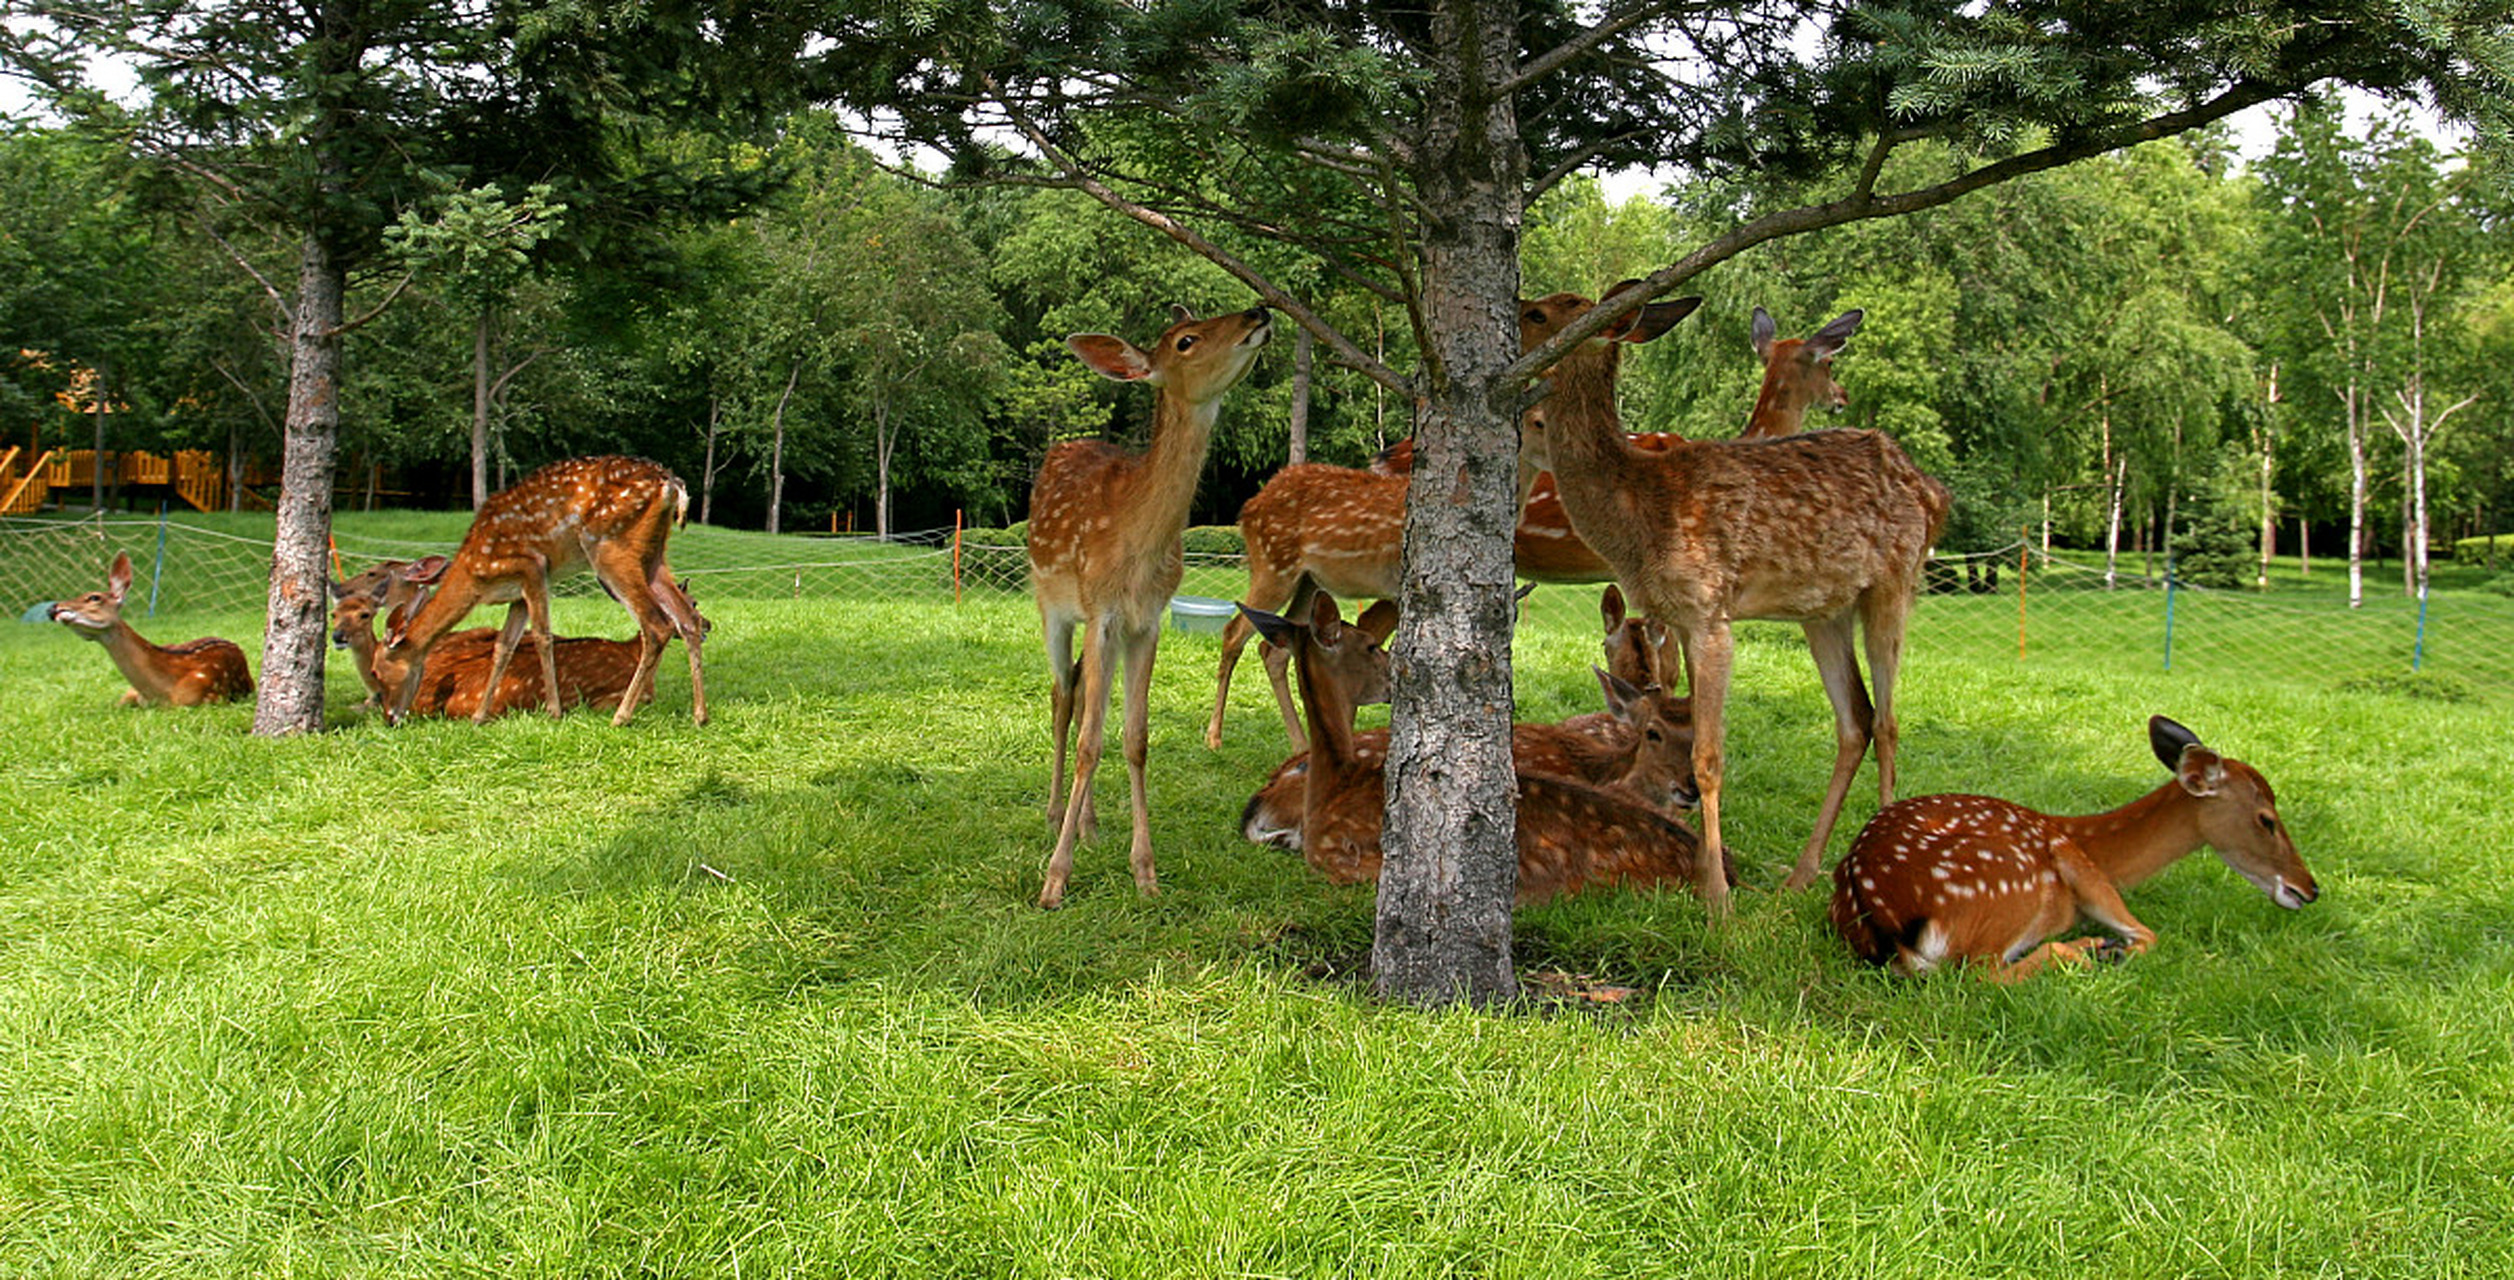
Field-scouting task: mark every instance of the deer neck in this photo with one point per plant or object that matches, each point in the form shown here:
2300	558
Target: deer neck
2140	838
1590	456
1331	757
1779	411
1182	432
137	660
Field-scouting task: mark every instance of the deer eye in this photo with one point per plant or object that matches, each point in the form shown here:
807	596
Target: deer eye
1656	736
2269	822
1186	340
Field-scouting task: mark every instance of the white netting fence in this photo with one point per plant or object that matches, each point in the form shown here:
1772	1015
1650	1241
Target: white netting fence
2455	645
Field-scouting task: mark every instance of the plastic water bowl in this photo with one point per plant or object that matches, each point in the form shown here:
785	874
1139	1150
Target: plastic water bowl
1201	613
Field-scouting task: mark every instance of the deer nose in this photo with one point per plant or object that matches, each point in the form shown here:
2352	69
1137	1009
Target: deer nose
2292	896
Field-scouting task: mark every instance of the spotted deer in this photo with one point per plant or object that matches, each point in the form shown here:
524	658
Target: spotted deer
611	514
1797	374
593	672
1827	529
1571	835
184	675
1943	879
1105	556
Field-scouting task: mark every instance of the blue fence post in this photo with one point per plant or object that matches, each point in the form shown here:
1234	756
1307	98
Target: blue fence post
158	574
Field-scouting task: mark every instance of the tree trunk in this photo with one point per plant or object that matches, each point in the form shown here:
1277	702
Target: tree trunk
777	446
290	698
96	494
235	467
1450	869
2304	548
2356	498
480	409
2119	481
707	470
2268	440
1304	356
882	445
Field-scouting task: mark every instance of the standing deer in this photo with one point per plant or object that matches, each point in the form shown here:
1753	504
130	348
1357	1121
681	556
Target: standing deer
185	675
1826	529
1947	878
610	514
1571	836
593	672
1797	374
1105	555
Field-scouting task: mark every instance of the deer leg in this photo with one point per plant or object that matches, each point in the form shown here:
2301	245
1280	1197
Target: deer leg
1139	648
1235	634
1706	658
1886	613
517	614
1063	687
1098	653
1830	644
693	632
537	601
1264	592
1278	662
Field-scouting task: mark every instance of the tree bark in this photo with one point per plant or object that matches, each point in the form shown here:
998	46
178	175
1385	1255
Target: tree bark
480	409
2356	496
777	446
707	470
290	698
1450	868
1304	356
882	445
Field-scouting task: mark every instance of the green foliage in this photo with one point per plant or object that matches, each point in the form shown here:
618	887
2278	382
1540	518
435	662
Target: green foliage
2216	547
1214	540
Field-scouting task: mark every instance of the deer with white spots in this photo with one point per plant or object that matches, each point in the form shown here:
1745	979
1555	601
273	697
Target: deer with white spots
183	675
1571	835
1105	555
1827	529
1947	879
610	514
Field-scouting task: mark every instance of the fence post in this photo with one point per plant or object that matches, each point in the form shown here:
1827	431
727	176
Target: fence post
955	555
158	574
2023	550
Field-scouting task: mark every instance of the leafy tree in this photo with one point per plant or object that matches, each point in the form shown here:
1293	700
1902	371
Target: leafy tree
1401	149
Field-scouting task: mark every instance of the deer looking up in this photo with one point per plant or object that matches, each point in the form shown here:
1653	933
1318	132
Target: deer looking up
1105	555
185	675
1827	529
1797	374
610	514
1947	878
1571	836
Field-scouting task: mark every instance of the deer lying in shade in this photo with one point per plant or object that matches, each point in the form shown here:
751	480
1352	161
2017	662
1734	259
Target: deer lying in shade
184	675
1950	878
1571	836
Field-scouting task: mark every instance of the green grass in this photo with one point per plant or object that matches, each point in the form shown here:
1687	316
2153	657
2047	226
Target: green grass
768	997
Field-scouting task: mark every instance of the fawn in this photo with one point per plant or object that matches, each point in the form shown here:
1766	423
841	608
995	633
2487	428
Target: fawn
185	675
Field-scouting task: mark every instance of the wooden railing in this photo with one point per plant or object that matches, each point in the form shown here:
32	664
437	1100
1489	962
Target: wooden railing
197	476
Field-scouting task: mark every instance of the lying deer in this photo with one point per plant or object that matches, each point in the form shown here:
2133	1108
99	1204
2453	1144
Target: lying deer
185	675
1571	836
1935	879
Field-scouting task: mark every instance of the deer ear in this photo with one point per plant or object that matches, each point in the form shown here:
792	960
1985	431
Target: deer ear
424	570
1652	320
1620	693
1378	621
1179	314
1276	628
1324	618
1763	333
1829	339
118	578
2168	740
1610	608
2201	772
1111	356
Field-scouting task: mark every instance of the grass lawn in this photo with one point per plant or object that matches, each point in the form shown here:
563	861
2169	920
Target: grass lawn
769	996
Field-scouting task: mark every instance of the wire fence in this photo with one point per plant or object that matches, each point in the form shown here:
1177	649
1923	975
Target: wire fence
2049	613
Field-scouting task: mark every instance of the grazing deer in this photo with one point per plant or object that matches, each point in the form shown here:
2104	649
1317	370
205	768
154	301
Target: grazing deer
1947	878
610	514
593	672
1105	555
1828	529
185	675
1797	374
1571	836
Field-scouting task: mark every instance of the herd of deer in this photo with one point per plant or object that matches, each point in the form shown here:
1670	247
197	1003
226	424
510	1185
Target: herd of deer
1828	529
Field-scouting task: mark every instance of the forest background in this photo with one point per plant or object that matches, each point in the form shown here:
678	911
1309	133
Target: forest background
2237	354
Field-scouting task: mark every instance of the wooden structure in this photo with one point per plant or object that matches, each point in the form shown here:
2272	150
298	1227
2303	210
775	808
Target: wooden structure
195	476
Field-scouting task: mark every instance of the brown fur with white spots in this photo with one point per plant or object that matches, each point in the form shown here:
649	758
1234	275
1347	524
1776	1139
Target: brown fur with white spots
593	672
1951	878
1105	555
1571	836
1828	529
611	514
183	675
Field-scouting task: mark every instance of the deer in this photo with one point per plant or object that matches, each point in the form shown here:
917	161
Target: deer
1797	373
183	675
593	672
1571	836
1828	529
1105	557
611	514
1963	879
